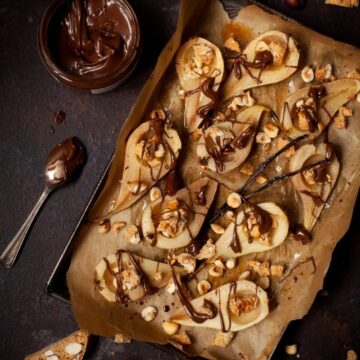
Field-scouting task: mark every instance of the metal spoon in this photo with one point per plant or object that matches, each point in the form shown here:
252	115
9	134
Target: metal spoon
64	163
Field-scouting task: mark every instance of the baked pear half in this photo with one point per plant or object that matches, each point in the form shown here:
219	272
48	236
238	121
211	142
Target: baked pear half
225	145
151	152
315	185
200	68
172	222
257	228
310	109
124	277
238	306
268	59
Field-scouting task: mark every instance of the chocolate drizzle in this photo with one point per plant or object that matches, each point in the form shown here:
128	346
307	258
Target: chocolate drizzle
197	317
309	259
200	197
222	323
301	234
244	137
235	241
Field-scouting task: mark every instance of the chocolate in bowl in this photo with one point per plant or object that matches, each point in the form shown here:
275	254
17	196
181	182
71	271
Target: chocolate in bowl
90	44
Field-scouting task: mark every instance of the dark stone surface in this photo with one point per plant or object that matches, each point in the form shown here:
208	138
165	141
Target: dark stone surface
28	99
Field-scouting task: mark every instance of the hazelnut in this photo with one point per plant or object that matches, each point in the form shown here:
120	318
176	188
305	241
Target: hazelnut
170	287
230	263
170	327
207	251
231	44
276	270
345	111
262	138
149	313
271	130
121	339
263	282
247	169
307	74
230	215
340	122
261	179
219	264
118	226
187	261
234	200
104	226
132	234
203	287
215	271
222	339
155	193
196	135
351	355
157	276
291	349
218	229
244	275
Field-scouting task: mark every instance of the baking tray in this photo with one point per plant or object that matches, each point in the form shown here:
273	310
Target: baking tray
56	285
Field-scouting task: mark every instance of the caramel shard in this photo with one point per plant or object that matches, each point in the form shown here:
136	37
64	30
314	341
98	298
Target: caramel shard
121	339
71	347
231	44
223	339
343	3
182	338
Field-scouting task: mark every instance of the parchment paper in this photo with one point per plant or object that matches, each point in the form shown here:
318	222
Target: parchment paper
95	314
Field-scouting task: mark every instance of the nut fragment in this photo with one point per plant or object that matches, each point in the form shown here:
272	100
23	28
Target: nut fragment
121	339
230	215
271	130
351	355
230	263
73	348
170	287
291	349
218	229
243	99
263	282
276	270
149	313
155	193
325	73
187	261
207	251
263	269
104	226
215	271
170	327
307	74
118	226
130	279
157	276
222	339
262	138
343	3
203	287
234	200
196	135
238	305
231	44
132	234
182	338
247	169
219	264
261	179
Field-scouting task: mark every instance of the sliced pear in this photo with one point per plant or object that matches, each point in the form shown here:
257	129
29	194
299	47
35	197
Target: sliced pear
197	61
232	154
337	93
281	46
193	219
139	173
277	234
313	195
220	297
106	282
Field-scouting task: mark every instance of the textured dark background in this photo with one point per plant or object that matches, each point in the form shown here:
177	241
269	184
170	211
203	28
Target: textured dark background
29	97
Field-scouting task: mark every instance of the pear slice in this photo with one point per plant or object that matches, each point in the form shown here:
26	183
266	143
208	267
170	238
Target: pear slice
305	185
106	282
197	61
138	175
236	136
286	59
337	93
277	234
220	297
185	214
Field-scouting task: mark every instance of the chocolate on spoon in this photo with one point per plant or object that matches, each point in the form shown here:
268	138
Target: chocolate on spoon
64	164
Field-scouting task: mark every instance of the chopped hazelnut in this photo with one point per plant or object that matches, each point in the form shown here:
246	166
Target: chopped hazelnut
132	234
149	313
182	338
234	200
231	44
215	271
276	270
351	355
242	304
155	193
157	276
207	251
230	263
243	99
345	111
203	287
217	229
219	264
104	226
247	169
263	269
307	74
261	179
187	261
222	339
118	226
325	73
130	279
203	53
230	215
262	138
340	122
271	130
170	327
121	339
291	349
170	287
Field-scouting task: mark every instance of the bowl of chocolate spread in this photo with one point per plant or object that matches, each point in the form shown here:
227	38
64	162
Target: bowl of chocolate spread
90	44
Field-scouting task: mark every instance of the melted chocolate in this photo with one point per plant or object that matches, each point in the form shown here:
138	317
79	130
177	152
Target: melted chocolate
166	308
171	183
197	317
235	241
65	161
301	234
244	137
263	218
200	198
93	38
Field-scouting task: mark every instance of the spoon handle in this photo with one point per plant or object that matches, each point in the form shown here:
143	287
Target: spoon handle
10	254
